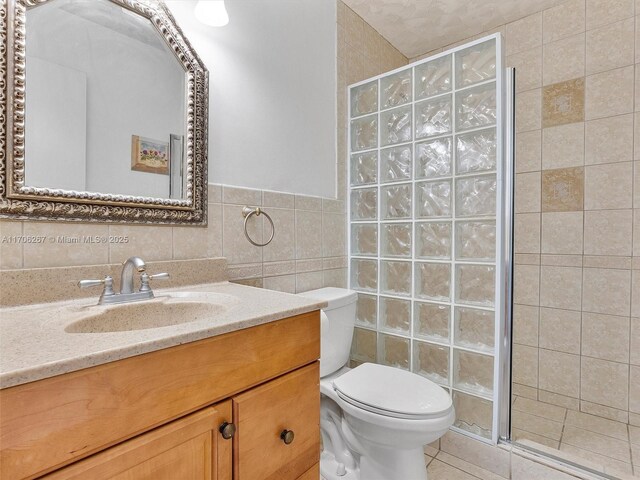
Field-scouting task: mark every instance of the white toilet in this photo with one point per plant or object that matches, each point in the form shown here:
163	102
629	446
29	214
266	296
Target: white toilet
374	419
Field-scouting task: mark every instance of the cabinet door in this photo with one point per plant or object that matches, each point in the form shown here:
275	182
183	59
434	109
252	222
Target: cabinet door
189	448
278	436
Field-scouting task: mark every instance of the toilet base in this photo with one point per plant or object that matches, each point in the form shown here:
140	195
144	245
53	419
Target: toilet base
330	469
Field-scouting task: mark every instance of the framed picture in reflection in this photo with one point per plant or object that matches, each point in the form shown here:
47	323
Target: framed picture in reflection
150	156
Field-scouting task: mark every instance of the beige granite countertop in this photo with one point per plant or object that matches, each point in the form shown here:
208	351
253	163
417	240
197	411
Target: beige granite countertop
34	344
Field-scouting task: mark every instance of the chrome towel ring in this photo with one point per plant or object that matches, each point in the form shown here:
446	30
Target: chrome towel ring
257	211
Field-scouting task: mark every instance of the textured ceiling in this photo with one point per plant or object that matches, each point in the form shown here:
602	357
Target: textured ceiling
417	26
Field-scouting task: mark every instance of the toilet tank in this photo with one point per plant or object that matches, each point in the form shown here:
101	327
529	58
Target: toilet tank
336	326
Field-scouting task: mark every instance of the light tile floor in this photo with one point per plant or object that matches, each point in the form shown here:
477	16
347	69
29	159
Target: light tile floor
611	445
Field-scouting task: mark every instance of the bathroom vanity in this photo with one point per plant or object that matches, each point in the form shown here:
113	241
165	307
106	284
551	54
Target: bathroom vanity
235	396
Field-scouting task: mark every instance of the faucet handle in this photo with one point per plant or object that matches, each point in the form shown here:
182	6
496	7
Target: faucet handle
106	281
145	278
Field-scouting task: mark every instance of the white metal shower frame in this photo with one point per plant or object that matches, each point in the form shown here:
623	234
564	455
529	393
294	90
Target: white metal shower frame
503	261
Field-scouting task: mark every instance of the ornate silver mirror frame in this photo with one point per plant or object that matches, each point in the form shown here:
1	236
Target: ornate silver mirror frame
33	203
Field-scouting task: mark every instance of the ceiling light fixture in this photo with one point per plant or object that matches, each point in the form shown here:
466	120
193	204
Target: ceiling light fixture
212	13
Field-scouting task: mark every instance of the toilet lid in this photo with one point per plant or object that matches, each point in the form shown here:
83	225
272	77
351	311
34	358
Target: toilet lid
392	391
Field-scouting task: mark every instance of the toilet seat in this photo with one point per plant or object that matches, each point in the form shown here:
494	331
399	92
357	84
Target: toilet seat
392	392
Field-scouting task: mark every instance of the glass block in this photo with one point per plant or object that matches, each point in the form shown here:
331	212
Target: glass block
473	414
364	99
476	196
364	168
433	117
476	151
364	274
433	78
396	201
393	351
475	284
364	133
474	328
476	107
431	361
395	277
364	346
433	281
395	315
396	89
433	240
395	126
473	372
476	240
476	64
396	240
431	321
433	199
364	239
395	164
364	204
367	310
433	159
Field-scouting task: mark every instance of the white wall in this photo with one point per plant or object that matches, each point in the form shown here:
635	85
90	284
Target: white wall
272	93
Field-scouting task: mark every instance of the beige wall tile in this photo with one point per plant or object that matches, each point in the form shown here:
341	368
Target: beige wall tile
528	65
563	189
560	330
609	140
601	12
277	199
523	391
10	244
306	202
527	285
636	184
148	242
597	261
608	186
635	341
241	196
528	151
528	110
607	291
527	192
563	103
563	59
560	287
524	34
284	283
562	233
308	234
605	337
559	400
563	20
635	293
605	383
609	93
605	413
561	260
563	146
235	246
527	233
610	46
214	193
282	247
525	324
336	277
594	442
309	281
634	393
334	234
636	136
608	232
560	373
525	365
200	242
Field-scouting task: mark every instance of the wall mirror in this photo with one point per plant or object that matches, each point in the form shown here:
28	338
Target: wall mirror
104	113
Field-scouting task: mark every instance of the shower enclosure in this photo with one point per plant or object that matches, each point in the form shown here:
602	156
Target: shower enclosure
429	246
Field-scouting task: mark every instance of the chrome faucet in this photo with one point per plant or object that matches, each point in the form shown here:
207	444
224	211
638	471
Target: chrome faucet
126	277
126	284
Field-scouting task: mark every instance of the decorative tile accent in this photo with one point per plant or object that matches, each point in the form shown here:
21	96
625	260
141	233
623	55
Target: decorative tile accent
563	103
563	190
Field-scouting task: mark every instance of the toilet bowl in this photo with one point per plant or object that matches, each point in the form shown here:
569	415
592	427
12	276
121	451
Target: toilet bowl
374	419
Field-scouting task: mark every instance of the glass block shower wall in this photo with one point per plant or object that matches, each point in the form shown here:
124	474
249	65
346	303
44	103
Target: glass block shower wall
425	183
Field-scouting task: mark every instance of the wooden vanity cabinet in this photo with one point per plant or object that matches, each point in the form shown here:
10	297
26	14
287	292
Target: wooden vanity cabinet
158	415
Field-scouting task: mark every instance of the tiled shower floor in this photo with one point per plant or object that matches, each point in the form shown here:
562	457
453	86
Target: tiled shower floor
601	442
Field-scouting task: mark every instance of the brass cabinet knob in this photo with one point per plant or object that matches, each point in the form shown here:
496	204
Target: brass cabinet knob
287	436
227	430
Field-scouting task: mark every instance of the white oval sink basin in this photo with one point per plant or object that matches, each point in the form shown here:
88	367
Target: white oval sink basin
165	310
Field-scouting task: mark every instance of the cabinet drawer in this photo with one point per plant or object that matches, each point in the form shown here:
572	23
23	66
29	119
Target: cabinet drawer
289	403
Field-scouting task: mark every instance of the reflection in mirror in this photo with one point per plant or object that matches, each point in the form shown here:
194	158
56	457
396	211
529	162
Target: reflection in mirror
105	102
